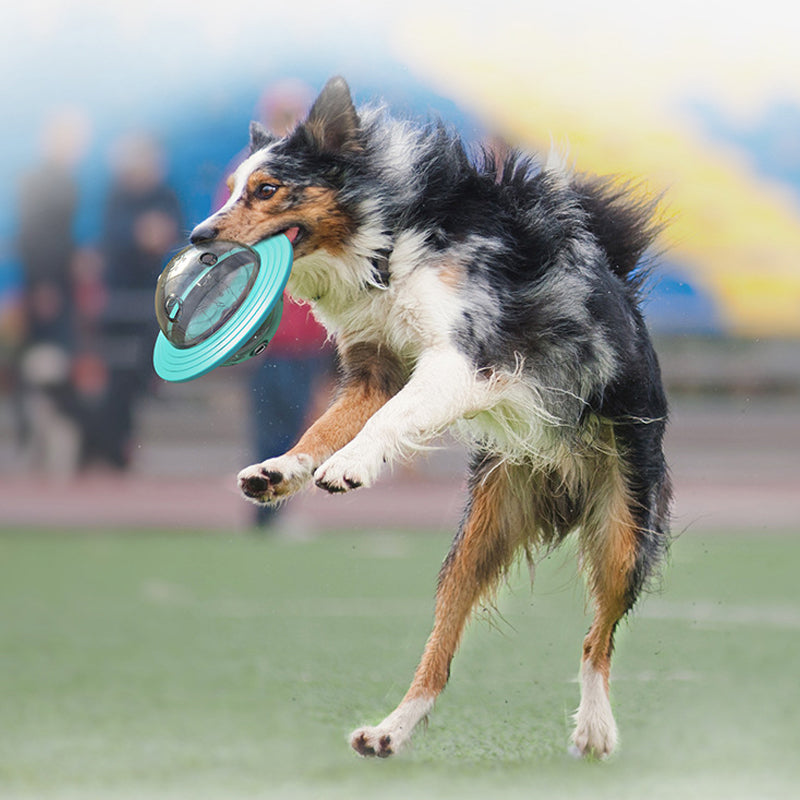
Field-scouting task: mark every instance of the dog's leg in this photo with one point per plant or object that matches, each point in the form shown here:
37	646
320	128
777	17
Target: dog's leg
609	541
277	478
442	388
494	527
369	379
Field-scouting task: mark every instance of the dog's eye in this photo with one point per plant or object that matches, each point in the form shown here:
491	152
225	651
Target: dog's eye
265	190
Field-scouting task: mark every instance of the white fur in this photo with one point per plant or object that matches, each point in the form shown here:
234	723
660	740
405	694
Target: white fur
416	311
442	388
595	729
398	727
336	282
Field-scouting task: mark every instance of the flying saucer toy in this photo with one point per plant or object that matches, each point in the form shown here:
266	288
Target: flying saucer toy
219	303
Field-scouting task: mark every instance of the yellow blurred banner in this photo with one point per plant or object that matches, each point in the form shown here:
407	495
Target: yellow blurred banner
616	107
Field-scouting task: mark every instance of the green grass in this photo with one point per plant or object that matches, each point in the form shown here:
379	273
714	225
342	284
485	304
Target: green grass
139	665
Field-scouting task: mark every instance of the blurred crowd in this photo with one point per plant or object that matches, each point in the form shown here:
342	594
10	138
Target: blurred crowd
84	327
85	323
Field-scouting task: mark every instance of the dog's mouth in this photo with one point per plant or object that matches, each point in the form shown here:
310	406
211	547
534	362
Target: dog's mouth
295	234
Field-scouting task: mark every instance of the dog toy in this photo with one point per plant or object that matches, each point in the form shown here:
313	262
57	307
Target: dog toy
219	303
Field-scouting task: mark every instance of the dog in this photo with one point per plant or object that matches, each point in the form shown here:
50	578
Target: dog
495	297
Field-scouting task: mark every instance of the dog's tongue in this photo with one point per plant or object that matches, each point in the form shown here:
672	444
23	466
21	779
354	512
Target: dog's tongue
291	234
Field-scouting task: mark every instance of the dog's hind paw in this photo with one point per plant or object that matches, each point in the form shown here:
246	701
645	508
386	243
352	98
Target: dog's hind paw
594	737
372	742
586	744
595	734
394	732
275	479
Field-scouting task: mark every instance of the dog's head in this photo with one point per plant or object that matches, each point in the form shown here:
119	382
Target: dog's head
293	185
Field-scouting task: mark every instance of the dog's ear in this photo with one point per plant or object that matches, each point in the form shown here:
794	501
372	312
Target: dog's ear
259	137
333	123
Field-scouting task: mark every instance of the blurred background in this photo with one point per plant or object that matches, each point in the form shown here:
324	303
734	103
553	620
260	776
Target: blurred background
123	120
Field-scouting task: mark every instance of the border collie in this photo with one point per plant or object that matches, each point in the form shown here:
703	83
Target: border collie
495	297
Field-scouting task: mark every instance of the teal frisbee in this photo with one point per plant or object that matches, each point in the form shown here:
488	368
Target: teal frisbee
219	303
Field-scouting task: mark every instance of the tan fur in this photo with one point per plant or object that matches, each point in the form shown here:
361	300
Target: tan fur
314	209
608	545
256	178
369	379
452	275
486	547
513	510
339	424
330	225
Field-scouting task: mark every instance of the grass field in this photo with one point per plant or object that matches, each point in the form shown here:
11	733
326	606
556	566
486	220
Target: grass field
135	665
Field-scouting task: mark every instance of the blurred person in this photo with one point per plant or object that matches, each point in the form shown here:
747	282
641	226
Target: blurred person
48	203
90	373
143	222
296	366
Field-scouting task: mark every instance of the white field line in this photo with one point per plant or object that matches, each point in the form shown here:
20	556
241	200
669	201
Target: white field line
167	594
700	612
709	612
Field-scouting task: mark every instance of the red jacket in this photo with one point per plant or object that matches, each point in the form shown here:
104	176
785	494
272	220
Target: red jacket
299	334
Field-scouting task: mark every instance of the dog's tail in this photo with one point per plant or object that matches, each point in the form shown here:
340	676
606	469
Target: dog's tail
625	220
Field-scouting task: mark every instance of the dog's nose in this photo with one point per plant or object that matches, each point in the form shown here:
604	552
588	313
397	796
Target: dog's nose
203	233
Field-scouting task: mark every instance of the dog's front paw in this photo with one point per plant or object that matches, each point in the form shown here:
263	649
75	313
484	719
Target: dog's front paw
275	479
342	472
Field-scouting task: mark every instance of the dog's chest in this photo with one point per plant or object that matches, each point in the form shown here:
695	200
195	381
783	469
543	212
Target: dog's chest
413	313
